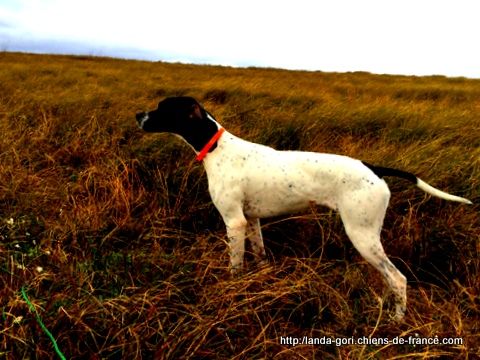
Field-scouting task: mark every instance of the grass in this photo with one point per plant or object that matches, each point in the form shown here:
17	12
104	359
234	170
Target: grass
112	233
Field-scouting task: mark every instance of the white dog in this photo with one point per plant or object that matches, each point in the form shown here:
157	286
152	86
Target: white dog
249	181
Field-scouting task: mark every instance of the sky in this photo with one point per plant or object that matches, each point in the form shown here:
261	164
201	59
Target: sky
411	37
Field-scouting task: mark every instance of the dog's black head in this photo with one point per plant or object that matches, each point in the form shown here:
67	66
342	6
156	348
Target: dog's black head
183	116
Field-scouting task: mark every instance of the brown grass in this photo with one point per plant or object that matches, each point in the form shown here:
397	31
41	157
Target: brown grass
113	234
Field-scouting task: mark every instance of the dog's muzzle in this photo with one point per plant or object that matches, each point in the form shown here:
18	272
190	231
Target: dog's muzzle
141	118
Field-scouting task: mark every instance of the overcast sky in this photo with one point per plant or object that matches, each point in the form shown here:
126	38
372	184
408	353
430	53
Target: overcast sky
420	37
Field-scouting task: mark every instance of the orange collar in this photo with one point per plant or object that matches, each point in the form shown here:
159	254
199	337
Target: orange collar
208	146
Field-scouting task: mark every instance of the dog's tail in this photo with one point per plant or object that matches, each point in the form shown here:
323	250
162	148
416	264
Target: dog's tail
384	171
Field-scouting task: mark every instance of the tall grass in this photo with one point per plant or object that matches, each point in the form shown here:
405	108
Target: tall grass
113	235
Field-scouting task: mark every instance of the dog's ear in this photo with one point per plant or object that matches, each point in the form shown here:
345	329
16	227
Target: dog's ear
196	112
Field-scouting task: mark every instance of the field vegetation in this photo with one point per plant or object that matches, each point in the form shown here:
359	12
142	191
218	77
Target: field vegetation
112	235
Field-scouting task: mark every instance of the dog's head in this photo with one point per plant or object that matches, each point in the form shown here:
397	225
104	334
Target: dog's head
183	116
172	115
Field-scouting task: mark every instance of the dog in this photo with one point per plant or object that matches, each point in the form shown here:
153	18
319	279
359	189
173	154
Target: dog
249	181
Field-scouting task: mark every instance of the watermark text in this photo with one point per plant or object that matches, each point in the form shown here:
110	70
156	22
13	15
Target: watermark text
412	340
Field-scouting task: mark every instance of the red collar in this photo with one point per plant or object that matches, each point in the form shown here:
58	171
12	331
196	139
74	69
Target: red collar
208	146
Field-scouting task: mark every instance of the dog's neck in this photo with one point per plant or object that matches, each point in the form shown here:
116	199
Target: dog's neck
198	135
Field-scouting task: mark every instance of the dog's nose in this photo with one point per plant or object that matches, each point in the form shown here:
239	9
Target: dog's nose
140	116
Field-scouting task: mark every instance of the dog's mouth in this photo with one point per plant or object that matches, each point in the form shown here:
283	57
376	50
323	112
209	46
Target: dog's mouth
141	119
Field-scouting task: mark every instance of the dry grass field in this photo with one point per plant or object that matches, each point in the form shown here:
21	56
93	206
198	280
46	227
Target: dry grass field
112	236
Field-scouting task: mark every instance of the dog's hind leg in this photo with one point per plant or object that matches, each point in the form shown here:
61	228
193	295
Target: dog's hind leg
362	216
369	246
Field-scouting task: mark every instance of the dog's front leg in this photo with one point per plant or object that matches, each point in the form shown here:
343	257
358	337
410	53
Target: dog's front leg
228	201
236	229
255	235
